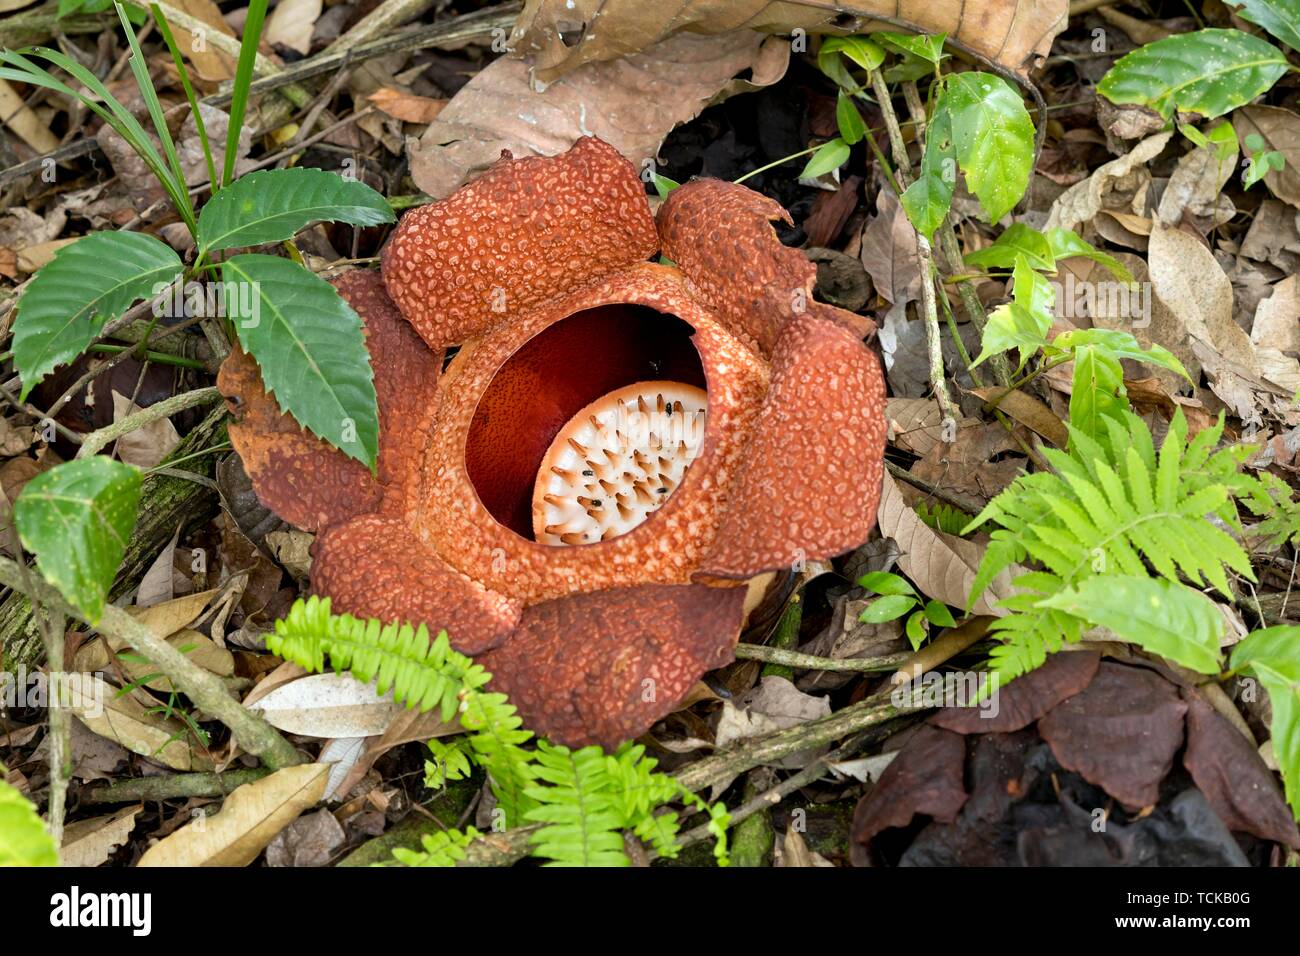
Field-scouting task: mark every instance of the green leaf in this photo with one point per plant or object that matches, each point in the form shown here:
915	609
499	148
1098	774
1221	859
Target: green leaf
1121	345
928	48
1209	72
887	608
664	185
1065	243
1162	617
882	582
860	50
1023	323
272	205
993	137
927	200
24	841
1017	239
915	629
1272	655
310	348
830	156
251	36
1097	391
936	612
86	285
852	128
76	518
1281	18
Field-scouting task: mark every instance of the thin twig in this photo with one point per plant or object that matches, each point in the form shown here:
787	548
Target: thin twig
93	443
810	662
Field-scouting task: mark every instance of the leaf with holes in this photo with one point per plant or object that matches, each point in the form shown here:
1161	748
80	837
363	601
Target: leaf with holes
272	205
85	286
310	348
76	518
993	138
1209	72
1165	618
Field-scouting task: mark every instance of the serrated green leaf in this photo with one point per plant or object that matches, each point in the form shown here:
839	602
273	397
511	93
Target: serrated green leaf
1272	655
1162	617
887	608
1281	18
1209	72
274	204
927	200
77	518
829	156
851	126
993	138
24	841
310	348
86	285
1016	239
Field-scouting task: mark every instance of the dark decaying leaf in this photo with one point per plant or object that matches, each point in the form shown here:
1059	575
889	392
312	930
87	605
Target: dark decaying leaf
926	777
1120	733
1235	781
1026	699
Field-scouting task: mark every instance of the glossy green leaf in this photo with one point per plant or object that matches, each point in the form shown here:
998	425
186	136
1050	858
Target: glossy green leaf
1065	243
887	608
993	138
1097	390
929	48
86	285
1023	323
1122	345
1159	616
77	518
852	128
860	50
882	582
1272	655
309	345
274	204
936	612
24	841
927	200
915	629
830	156
1209	72
1281	18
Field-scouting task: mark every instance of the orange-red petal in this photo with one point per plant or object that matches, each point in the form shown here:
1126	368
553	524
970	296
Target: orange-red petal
810	482
525	231
720	235
601	668
305	480
374	566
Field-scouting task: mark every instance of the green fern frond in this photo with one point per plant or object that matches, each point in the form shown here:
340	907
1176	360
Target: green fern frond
445	848
497	740
422	674
583	825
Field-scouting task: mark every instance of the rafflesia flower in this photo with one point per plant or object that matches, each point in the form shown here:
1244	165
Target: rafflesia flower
580	496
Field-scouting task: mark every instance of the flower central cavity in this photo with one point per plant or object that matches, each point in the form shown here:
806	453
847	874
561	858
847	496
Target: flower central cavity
617	461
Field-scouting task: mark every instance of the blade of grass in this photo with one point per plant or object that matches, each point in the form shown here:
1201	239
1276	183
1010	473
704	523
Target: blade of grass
165	29
144	82
243	78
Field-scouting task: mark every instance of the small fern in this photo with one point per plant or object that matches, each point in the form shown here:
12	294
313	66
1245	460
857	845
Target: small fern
1113	506
585	798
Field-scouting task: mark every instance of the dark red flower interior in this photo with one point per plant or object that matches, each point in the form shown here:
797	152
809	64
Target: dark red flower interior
552	377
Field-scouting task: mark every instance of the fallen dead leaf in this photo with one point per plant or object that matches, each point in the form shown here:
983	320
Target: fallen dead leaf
1276	335
1027	410
562	34
406	106
328	705
148	445
795	852
1114	186
291	24
249	820
91	842
630	103
125	720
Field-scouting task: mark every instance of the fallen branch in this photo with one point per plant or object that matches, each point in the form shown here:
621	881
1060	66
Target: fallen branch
94	442
173	787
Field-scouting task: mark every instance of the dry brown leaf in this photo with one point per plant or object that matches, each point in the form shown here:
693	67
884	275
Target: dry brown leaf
406	107
795	852
406	727
209	62
981	460
24	121
942	566
249	819
564	34
202	650
91	842
157	585
148	445
889	252
169	617
1281	131
329	705
291	24
1117	185
1196	188
33	258
293	550
1276	335
124	719
1027	410
630	103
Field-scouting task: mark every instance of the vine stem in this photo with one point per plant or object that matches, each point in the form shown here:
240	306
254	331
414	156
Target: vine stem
788	658
96	440
205	689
